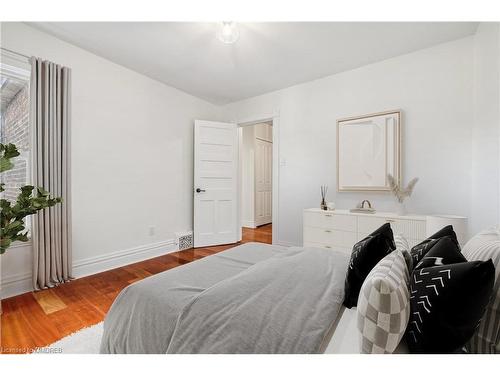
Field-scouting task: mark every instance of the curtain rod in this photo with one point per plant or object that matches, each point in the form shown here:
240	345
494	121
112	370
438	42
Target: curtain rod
14	52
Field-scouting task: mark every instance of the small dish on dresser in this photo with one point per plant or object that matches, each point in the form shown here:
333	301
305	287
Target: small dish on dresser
360	208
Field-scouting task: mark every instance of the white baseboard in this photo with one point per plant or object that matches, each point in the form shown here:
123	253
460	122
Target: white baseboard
284	243
121	258
260	222
16	284
21	283
248	224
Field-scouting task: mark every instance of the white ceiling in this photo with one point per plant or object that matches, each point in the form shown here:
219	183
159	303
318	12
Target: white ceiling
267	56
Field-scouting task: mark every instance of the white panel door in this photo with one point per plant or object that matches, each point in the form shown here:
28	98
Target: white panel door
215	183
263	181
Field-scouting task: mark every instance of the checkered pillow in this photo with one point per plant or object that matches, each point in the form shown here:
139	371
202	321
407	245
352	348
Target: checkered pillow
384	305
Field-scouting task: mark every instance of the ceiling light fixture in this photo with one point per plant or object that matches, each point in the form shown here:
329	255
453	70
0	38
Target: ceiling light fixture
228	32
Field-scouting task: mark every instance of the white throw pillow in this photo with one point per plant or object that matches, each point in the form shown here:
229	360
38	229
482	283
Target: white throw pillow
483	246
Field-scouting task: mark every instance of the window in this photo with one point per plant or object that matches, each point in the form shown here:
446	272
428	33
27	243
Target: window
14	121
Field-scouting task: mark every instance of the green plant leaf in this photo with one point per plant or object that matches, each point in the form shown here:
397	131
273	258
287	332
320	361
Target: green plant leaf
27	189
14	225
10	151
4	243
12	215
23	237
42	192
5	164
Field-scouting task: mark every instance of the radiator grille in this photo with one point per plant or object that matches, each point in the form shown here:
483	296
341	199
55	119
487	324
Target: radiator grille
184	240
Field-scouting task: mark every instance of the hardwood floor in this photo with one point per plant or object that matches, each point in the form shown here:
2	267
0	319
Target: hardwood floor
37	319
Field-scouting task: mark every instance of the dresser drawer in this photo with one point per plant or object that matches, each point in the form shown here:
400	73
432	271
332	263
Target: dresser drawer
369	224
327	246
411	241
330	220
331	237
412	230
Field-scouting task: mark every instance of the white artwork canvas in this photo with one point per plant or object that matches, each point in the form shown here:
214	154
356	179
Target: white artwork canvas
368	148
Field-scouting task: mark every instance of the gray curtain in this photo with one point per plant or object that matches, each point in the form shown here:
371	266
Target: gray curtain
50	94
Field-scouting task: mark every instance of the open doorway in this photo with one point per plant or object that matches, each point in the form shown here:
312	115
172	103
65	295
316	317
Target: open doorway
256	181
218	182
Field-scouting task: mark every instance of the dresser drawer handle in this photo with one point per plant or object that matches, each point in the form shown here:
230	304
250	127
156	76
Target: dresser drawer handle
327	247
328	231
328	215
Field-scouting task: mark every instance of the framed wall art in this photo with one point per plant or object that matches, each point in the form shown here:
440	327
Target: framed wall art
368	148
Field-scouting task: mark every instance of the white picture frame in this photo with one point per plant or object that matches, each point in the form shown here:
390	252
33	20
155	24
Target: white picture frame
368	148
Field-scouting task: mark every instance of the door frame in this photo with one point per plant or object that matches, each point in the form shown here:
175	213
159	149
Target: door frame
253	120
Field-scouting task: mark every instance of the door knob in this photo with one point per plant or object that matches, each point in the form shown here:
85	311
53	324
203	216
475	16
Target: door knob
198	190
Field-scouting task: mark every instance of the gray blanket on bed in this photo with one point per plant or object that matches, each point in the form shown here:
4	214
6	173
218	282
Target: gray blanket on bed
251	299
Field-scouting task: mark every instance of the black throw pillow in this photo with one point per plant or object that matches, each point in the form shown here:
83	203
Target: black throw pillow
446	305
418	251
444	251
365	255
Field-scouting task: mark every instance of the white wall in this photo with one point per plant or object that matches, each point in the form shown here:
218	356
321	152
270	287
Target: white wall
131	159
434	89
248	177
485	183
132	140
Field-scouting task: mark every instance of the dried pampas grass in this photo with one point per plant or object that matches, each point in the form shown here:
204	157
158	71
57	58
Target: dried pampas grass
399	192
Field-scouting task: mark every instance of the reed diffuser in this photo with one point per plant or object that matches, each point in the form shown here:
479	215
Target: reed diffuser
324	190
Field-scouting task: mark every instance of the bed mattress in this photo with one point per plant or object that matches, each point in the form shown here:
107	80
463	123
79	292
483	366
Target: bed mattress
254	298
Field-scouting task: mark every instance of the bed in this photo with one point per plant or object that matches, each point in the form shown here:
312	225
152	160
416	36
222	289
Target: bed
253	298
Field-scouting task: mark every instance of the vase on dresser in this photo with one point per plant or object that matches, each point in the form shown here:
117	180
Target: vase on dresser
401	209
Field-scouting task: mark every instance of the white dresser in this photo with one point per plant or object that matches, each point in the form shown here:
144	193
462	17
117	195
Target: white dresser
341	229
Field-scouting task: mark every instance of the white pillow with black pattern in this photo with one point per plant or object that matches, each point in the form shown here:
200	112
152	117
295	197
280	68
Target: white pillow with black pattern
384	305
